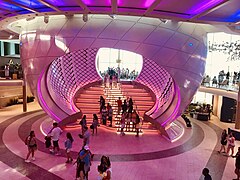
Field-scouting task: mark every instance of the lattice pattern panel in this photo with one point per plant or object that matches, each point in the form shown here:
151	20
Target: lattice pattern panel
70	72
158	80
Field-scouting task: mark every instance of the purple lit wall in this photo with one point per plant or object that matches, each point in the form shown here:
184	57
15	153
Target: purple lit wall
176	49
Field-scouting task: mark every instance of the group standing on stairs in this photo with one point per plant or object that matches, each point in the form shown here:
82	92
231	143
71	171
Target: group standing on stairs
128	117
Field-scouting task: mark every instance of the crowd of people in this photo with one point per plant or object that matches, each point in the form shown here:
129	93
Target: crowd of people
83	162
84	157
119	73
223	79
125	108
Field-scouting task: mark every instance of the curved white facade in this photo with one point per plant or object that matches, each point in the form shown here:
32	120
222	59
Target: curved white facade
177	47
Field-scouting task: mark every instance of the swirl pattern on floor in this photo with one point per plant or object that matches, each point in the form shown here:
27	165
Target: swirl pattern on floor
194	141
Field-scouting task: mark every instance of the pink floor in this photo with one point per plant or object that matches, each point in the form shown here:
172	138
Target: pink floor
149	156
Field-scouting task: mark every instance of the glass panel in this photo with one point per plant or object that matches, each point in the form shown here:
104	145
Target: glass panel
223	60
124	64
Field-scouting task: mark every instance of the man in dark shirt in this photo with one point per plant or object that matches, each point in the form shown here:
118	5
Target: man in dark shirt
206	174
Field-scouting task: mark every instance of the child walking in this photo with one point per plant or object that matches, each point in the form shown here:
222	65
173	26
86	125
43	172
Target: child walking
68	146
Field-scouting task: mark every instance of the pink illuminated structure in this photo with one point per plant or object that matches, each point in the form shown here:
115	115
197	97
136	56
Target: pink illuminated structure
173	71
59	47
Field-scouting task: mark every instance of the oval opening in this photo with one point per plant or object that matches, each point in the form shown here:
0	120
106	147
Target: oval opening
124	64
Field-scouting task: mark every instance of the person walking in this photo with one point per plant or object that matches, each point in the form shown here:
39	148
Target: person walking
68	147
106	167
223	141
85	159
237	164
86	136
31	143
55	134
231	144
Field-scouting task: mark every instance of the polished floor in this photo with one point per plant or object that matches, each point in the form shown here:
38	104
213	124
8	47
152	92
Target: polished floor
149	156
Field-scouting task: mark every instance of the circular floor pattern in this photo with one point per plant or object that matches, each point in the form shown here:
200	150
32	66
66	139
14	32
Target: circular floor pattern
30	170
196	138
34	171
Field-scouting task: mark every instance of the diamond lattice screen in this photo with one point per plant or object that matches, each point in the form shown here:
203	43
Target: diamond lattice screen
158	80
70	72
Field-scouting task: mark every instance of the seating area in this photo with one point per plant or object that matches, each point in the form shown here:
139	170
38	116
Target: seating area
199	111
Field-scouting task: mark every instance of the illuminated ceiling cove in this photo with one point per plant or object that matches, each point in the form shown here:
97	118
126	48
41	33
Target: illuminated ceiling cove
224	11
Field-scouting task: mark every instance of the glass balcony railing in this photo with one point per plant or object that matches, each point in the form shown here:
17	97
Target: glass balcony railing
223	85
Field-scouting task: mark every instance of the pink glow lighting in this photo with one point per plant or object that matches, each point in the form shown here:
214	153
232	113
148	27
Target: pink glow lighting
148	3
174	114
73	107
41	97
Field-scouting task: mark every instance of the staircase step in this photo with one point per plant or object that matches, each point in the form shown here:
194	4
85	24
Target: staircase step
88	99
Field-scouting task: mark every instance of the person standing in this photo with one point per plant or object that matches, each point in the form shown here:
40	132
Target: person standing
102	103
206	174
214	80
231	144
124	106
104	115
101	174
110	114
68	147
119	104
83	122
137	124
209	111
55	134
86	136
85	156
123	123
130	108
237	164
106	167
94	124
31	143
223	141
